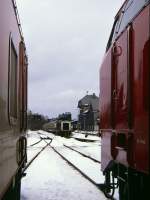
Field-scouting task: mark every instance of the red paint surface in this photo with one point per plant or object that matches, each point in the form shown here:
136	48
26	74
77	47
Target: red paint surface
125	122
141	92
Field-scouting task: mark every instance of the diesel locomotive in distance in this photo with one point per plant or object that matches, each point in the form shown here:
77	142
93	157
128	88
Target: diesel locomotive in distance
61	126
13	101
125	103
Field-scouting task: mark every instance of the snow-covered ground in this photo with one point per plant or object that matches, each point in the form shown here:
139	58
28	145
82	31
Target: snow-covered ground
87	166
32	139
92	149
85	136
49	177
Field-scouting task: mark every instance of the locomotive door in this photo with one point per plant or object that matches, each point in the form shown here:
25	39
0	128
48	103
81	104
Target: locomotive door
120	82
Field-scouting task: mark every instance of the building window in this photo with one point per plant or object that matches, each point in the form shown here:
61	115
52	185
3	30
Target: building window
12	81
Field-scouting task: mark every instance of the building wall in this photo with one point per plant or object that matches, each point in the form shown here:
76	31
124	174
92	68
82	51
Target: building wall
88	113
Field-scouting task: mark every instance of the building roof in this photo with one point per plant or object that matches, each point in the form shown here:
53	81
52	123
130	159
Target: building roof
91	100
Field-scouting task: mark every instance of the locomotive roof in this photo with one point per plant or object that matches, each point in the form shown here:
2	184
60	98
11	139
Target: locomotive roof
125	2
19	26
120	9
17	17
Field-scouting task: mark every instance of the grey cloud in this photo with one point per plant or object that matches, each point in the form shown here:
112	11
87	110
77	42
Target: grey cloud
66	42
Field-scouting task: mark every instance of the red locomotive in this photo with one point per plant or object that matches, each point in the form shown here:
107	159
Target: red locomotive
13	101
125	103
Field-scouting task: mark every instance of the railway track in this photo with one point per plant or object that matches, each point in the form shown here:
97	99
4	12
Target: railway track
30	162
72	149
83	154
65	153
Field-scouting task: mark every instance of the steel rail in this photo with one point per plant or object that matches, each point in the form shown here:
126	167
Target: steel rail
100	186
34	143
89	157
31	161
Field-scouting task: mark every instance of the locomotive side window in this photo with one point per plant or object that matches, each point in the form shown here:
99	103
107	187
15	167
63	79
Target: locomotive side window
115	29
12	81
111	35
132	8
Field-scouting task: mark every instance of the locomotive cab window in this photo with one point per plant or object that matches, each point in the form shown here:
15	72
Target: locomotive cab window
65	126
12	82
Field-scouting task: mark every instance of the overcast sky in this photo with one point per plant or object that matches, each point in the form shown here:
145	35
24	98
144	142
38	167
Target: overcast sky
65	42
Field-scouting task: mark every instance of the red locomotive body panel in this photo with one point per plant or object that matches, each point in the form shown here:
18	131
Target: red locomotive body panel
125	95
124	88
105	107
105	91
141	90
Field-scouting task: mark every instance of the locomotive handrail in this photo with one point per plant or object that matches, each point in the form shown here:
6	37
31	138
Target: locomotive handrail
129	72
117	50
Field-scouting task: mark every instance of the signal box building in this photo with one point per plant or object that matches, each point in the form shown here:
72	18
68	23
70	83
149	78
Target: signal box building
88	113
